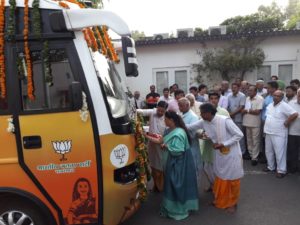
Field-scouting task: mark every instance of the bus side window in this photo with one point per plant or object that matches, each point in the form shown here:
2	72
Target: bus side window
51	79
3	105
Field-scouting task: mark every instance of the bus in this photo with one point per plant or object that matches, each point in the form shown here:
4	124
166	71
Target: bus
67	146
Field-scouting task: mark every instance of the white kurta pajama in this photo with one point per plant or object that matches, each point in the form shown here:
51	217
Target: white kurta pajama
227	167
222	130
276	135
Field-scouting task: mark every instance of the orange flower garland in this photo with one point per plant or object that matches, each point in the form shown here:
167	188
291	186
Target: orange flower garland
103	47
107	47
113	55
142	160
27	52
76	2
64	5
2	59
87	37
94	44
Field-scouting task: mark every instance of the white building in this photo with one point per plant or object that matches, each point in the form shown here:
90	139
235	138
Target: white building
164	62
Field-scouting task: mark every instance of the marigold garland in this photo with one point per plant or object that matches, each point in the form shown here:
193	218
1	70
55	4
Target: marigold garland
2	42
96	37
100	39
64	5
30	87
87	37
112	51
77	3
92	38
141	158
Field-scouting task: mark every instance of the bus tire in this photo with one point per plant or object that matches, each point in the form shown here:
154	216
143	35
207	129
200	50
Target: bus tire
20	210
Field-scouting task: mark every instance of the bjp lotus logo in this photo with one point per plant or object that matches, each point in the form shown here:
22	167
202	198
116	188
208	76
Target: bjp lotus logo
62	147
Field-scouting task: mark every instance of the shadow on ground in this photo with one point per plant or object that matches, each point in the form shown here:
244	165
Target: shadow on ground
264	200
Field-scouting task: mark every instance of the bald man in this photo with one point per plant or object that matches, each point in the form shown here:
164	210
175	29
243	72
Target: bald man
279	116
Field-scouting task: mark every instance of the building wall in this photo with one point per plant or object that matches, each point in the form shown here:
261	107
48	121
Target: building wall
283	50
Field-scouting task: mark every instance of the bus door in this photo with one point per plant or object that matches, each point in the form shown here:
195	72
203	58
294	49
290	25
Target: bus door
57	142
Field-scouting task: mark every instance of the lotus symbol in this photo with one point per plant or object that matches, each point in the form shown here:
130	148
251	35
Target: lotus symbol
62	147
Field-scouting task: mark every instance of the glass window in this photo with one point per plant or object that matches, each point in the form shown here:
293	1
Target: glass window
111	81
3	104
285	73
162	81
264	72
181	80
48	95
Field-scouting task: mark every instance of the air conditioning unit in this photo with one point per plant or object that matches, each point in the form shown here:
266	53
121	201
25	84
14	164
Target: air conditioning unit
217	30
183	33
298	25
160	36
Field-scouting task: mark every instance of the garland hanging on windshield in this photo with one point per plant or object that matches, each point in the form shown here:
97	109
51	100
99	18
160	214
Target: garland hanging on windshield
97	38
142	160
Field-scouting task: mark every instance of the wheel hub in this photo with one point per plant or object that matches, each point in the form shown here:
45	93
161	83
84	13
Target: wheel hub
15	218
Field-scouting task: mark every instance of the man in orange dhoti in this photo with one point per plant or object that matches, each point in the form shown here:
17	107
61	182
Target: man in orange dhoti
228	162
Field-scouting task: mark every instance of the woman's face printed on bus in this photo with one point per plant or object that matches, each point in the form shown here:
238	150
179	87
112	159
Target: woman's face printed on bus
83	188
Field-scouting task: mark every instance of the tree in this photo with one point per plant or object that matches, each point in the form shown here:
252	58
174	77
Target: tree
239	57
199	31
292	13
266	18
136	35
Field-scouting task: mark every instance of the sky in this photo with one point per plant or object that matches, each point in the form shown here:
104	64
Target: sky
165	16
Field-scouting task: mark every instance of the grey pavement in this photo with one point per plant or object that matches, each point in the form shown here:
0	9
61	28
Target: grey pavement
264	200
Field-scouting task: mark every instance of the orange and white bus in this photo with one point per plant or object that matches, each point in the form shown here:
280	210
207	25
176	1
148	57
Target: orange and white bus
66	144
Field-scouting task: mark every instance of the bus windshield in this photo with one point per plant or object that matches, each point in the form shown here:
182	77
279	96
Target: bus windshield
112	84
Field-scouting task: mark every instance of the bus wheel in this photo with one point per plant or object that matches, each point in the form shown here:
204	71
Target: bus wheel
20	212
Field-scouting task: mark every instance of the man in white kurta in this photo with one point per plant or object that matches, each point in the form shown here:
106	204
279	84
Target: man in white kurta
228	162
279	116
156	126
207	145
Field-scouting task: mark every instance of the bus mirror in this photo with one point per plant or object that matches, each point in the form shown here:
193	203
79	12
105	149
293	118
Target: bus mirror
129	54
76	95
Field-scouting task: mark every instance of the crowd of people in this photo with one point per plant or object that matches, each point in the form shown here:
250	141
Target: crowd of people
207	134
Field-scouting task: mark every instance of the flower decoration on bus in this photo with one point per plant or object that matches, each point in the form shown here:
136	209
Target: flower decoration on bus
11	126
62	147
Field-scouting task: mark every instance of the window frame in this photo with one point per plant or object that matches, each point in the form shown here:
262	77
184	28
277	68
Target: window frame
15	83
292	69
259	76
171	75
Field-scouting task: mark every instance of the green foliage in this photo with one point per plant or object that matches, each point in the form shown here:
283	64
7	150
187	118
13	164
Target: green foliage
266	18
136	35
292	13
241	56
96	4
199	31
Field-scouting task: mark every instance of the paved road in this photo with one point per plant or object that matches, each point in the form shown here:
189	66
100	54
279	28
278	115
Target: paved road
265	200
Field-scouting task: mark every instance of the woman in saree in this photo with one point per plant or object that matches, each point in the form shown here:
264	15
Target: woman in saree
180	195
